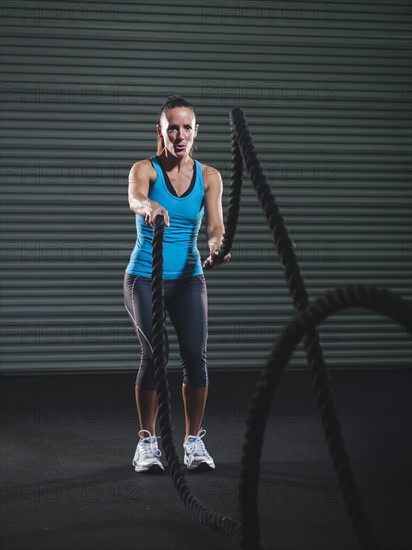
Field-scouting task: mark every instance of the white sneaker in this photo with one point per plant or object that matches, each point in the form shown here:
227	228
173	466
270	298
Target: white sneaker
146	457
196	456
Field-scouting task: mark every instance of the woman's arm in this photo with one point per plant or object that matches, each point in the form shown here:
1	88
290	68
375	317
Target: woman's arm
214	215
140	176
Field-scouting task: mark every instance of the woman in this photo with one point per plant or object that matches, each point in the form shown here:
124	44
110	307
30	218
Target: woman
179	188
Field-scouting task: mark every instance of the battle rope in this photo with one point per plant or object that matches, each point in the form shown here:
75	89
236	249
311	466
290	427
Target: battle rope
233	201
380	300
246	531
226	524
329	418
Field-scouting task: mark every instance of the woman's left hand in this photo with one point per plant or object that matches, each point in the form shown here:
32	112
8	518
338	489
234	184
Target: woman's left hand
212	260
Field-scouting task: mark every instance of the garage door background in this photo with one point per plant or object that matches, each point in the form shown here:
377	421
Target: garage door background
326	88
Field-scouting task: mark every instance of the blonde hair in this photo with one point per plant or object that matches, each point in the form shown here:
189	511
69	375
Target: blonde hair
172	102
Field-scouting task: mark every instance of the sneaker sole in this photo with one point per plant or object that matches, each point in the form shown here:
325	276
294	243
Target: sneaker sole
153	469
201	467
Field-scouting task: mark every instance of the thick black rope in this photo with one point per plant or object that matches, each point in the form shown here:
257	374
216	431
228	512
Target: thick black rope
379	300
233	205
225	524
329	418
247	530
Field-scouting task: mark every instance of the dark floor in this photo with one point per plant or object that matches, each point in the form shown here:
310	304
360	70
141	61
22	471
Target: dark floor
68	482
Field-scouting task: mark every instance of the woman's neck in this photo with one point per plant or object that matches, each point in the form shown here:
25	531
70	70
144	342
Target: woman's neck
172	163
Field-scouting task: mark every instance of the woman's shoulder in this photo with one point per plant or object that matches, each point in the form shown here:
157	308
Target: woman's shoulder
143	167
143	163
209	171
211	176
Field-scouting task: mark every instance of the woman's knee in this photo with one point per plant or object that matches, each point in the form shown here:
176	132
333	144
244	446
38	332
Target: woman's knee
195	377
145	376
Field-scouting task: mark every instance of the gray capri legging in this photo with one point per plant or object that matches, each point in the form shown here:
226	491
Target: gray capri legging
186	302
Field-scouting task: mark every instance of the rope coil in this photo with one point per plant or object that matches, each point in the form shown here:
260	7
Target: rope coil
246	531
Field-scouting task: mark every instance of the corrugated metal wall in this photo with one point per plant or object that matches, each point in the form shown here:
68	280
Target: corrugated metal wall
326	88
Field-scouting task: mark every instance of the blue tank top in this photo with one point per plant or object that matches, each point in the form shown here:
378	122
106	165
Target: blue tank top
181	257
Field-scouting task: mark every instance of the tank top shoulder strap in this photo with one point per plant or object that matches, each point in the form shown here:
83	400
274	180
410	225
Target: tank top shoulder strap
155	164
199	177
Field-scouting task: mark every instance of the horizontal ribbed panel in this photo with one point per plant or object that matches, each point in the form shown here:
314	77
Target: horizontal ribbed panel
326	89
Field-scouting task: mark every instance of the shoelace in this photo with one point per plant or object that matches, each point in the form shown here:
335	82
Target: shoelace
196	445
148	445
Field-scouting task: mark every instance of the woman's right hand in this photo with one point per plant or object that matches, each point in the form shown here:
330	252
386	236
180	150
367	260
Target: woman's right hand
154	209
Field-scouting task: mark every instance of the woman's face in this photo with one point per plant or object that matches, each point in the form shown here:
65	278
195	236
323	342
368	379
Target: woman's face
178	130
